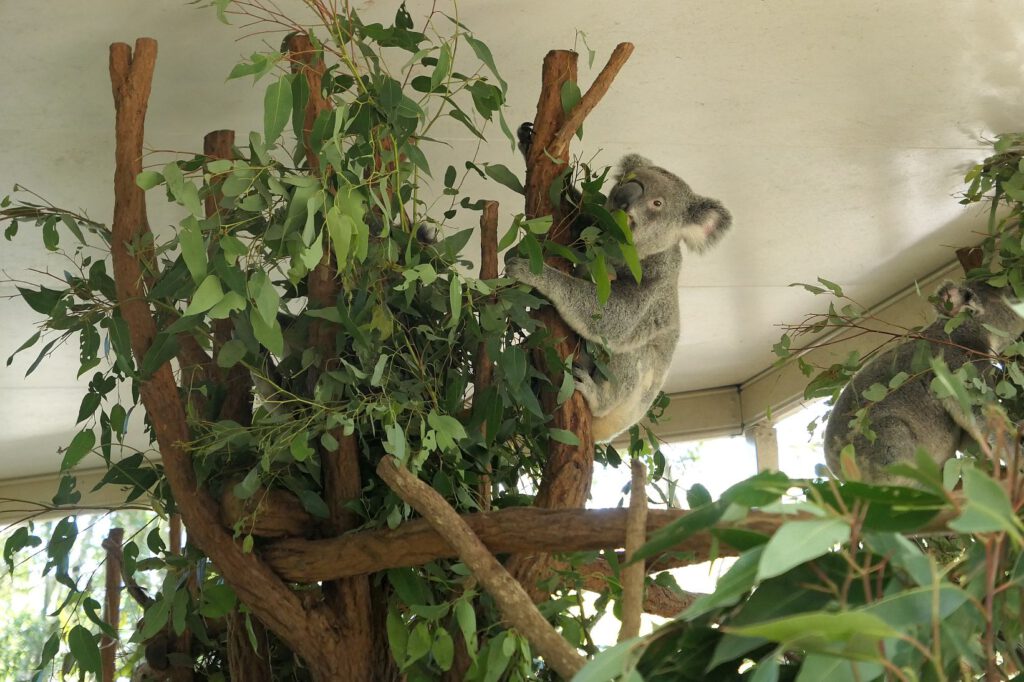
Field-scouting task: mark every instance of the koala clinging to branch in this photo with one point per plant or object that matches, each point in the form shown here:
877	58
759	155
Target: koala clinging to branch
912	416
639	324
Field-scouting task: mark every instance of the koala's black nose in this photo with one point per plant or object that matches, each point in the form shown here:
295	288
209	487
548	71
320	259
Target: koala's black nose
625	195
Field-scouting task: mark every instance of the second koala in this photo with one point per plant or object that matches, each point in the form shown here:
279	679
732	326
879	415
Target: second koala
912	416
639	324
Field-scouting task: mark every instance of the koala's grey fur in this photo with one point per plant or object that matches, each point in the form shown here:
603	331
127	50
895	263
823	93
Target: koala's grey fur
639	324
912	416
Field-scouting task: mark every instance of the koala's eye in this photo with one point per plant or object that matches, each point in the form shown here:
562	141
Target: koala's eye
657	203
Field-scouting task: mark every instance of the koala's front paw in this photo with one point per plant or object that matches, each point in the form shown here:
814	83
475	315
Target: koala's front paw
519	269
525	135
588	388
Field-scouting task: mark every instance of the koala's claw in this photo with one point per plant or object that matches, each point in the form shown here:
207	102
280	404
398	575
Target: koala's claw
586	386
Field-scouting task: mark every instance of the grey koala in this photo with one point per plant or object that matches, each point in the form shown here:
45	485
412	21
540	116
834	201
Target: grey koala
912	416
639	324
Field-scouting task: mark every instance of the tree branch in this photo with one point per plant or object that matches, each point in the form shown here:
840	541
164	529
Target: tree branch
516	607
560	142
276	605
508	531
633	574
112	602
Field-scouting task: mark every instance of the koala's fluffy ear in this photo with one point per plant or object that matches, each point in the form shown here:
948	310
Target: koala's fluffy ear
951	298
629	163
708	221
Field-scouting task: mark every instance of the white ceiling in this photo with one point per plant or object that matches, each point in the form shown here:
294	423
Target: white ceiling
837	134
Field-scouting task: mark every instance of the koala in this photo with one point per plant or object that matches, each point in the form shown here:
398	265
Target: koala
639	324
912	416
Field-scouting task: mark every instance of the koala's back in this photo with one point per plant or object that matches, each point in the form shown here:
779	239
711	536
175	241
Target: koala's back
907	418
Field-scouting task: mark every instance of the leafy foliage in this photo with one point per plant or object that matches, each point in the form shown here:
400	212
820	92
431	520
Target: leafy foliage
388	358
863	582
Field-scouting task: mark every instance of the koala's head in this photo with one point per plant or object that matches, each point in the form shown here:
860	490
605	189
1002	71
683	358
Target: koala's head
989	309
663	210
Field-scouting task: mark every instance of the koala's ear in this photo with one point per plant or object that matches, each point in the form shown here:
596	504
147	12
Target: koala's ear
629	163
951	298
708	221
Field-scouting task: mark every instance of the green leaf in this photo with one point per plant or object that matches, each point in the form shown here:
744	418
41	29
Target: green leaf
148	179
230	353
918	607
314	504
810	629
277	108
193	248
82	645
231	302
563	436
265	296
269	336
567	387
208	294
378	370
80	446
218	600
875	392
446	424
340	227
614	662
155	618
570	95
165	347
419	643
599	272
799	541
300	449
454	299
819	667
443	648
988	508
504	176
737	581
465	616
680	529
483	53
42	301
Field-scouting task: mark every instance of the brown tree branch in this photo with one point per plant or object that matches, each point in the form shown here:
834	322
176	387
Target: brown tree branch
483	368
633	573
112	603
508	531
568	470
350	599
513	602
658	600
236	382
307	632
560	142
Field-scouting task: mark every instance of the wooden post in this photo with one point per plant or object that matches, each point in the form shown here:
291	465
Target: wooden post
634	574
112	603
483	368
309	633
569	469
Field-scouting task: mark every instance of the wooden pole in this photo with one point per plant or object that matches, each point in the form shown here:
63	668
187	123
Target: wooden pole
112	603
483	368
307	632
568	471
633	574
